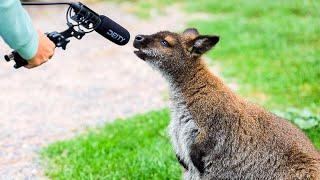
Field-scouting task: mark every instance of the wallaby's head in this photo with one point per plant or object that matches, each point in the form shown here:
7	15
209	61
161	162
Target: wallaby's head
171	52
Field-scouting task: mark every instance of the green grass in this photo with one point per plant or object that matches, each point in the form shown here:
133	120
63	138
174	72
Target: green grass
135	148
272	48
314	134
142	8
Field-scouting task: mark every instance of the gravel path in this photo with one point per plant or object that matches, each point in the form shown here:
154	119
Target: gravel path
91	83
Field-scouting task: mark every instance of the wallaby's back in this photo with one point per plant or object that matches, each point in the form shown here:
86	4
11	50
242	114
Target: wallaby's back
240	140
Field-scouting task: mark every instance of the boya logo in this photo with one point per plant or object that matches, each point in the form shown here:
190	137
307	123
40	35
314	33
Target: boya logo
115	35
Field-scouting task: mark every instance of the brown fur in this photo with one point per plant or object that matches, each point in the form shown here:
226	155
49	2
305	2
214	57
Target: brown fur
235	139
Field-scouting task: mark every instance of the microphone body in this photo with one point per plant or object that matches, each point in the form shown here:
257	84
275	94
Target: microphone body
112	31
103	25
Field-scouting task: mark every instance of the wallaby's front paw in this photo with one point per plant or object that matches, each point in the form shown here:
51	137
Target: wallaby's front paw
196	155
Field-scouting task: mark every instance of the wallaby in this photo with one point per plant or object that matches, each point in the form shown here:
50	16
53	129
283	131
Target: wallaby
215	133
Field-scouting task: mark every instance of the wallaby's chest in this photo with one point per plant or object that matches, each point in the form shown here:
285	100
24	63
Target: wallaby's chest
182	130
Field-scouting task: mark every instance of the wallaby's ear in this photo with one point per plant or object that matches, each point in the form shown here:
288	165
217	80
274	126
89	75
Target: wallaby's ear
192	32
202	44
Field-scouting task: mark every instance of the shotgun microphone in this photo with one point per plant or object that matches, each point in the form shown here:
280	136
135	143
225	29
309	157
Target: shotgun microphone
112	31
103	25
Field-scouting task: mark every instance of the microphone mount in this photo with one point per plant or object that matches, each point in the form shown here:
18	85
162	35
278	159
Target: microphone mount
80	20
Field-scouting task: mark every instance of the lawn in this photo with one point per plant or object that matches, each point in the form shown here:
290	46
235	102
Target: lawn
134	148
270	48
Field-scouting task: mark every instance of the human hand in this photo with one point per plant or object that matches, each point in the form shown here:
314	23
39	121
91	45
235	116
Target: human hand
45	51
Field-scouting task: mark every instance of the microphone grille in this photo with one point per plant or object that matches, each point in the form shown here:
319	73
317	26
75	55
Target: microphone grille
113	31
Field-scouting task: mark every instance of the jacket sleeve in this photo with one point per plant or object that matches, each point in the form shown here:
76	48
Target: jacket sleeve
16	28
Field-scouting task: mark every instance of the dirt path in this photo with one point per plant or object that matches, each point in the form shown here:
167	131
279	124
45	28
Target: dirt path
91	83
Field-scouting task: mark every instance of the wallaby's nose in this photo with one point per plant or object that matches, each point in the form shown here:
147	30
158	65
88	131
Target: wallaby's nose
140	41
139	38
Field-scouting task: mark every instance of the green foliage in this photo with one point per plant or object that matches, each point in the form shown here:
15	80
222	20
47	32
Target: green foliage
314	135
303	119
137	148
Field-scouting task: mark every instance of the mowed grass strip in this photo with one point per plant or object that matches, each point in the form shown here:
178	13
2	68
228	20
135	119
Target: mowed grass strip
135	148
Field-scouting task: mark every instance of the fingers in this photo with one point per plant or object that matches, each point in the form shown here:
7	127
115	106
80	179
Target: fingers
36	63
45	51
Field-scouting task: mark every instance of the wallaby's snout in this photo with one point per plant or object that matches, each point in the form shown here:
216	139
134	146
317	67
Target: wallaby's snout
139	41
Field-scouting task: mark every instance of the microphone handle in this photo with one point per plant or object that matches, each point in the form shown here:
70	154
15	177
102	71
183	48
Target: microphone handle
19	60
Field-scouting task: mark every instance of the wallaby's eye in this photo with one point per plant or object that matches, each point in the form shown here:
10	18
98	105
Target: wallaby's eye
164	43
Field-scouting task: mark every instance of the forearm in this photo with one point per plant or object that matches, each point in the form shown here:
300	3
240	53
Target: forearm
16	28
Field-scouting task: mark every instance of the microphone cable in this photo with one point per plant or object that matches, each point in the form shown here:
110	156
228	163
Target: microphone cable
68	14
44	3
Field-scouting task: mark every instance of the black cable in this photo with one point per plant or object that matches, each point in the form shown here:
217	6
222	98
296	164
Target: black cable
68	14
44	3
